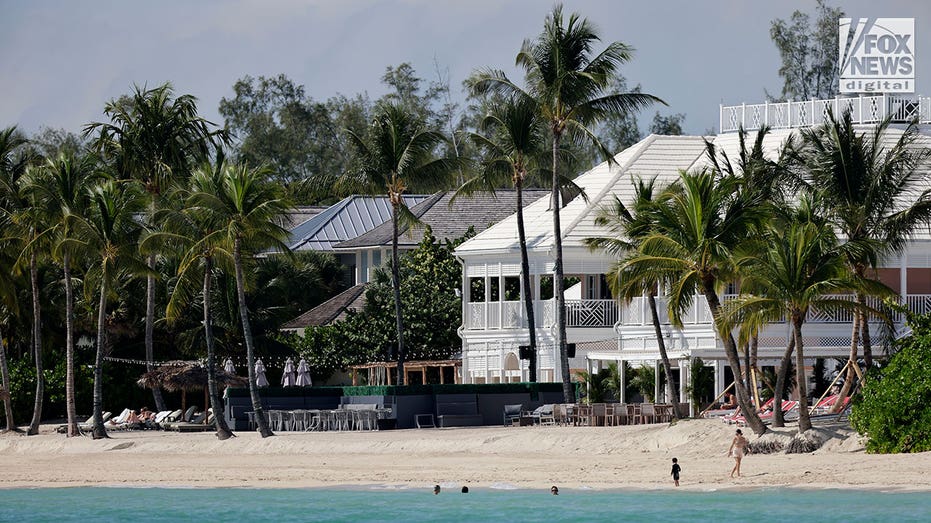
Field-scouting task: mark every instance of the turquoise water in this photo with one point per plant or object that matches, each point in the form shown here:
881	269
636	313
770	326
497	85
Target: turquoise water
161	504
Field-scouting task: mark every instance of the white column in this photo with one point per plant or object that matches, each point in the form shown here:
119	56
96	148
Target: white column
903	277
718	377
487	295
684	369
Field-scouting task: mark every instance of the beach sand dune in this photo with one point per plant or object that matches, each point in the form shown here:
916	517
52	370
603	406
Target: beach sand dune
527	457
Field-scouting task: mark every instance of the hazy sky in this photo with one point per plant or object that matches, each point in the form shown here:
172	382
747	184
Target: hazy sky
60	61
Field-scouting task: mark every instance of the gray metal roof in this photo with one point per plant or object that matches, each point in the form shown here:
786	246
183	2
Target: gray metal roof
448	221
344	220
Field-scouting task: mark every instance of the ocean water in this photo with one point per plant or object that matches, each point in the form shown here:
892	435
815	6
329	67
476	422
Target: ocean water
414	505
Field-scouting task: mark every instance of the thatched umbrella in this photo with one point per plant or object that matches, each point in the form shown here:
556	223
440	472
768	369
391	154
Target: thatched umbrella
187	376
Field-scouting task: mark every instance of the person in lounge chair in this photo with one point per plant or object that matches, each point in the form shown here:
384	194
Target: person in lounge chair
730	402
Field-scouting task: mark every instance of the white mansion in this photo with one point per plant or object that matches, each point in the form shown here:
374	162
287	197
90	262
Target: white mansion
606	331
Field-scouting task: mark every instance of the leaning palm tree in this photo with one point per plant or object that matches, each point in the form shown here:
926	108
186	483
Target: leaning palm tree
156	138
199	237
108	233
870	183
796	268
699	226
513	141
571	89
66	199
246	210
397	153
627	228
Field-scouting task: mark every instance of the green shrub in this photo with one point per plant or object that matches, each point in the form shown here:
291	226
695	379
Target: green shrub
894	411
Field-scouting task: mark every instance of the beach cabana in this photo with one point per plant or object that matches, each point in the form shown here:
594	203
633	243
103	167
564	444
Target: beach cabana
187	376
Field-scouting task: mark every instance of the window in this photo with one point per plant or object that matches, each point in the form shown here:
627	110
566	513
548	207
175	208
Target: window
477	290
512	288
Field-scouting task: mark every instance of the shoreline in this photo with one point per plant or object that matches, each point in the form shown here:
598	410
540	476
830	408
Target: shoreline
599	459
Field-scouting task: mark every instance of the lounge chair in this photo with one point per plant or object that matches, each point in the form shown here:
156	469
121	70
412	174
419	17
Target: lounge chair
88	424
512	414
185	418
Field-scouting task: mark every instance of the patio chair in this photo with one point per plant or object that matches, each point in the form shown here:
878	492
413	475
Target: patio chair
610	414
647	413
559	414
512	414
599	410
633	413
583	415
547	415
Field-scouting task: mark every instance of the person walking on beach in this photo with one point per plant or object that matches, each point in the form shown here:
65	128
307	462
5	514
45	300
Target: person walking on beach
737	451
675	470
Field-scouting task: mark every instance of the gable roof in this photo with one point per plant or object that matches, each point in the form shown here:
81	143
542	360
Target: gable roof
300	214
344	220
660	156
448	221
331	310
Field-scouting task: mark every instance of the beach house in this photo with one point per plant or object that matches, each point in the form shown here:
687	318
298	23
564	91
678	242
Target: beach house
602	330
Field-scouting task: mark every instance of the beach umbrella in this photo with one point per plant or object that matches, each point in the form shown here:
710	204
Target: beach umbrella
288	378
228	366
260	379
303	374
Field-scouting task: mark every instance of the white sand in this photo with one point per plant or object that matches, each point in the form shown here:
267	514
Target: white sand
527	457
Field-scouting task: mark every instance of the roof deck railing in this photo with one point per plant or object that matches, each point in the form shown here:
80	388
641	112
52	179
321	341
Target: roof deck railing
807	113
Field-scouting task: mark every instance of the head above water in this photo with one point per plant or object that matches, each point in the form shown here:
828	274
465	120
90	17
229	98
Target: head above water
465	490
554	490
436	489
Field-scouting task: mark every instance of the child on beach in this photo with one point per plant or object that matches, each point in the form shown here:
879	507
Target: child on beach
675	470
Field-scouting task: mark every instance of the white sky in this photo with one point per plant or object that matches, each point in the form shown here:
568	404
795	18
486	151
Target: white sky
60	61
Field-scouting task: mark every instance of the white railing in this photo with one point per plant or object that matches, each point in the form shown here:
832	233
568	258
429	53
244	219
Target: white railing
807	113
607	313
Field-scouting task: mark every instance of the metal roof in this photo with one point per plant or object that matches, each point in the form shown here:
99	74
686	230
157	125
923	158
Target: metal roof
344	220
448	221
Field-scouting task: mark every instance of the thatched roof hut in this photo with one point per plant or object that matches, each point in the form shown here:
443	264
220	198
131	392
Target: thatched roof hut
187	376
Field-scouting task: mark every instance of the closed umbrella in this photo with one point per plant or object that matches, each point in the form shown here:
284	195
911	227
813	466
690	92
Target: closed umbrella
288	378
228	366
260	379
303	374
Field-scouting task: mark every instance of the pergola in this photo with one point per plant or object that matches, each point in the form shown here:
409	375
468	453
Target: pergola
379	372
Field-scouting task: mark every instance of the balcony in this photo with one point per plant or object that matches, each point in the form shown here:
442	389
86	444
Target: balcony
808	113
607	313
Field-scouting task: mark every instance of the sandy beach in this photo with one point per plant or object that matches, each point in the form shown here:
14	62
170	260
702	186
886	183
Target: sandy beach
637	457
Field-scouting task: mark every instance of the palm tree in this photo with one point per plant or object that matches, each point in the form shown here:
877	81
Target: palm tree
397	153
155	138
868	187
66	198
699	226
247	210
800	270
12	163
109	234
27	226
513	141
570	88
627	228
200	238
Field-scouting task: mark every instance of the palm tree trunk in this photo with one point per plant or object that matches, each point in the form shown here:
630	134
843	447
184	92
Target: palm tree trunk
558	284
99	430
804	422
667	367
5	387
396	287
865	333
525	275
150	330
746	370
36	345
260	420
781	379
69	349
219	417
747	408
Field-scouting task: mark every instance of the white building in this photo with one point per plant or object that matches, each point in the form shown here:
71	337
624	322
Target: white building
604	331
